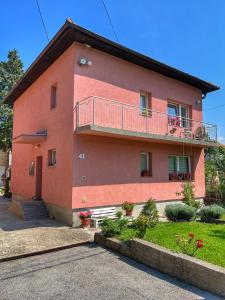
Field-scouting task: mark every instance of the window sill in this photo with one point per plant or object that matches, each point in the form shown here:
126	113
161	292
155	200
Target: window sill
52	166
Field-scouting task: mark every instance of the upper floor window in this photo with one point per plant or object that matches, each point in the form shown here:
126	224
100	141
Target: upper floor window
178	115
144	103
52	157
53	102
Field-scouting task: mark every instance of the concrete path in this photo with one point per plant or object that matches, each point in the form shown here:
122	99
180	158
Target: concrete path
89	272
18	237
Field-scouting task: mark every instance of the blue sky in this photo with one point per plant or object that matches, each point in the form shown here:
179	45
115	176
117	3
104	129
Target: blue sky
188	35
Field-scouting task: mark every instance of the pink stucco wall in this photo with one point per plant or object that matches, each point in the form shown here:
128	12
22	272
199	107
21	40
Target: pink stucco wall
111	167
31	114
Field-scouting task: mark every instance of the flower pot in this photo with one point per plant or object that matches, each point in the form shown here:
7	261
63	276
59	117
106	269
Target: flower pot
129	213
85	222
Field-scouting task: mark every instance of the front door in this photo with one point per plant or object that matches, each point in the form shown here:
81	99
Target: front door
38	177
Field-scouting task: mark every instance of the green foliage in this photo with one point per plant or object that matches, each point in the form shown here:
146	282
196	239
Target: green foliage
111	227
10	72
141	224
176	212
127	205
215	194
211	212
215	161
151	212
189	195
119	214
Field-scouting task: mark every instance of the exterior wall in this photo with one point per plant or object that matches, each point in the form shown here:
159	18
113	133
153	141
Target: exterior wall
112	171
31	114
111	167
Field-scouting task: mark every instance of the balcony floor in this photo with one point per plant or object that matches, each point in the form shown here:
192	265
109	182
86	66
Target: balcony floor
135	135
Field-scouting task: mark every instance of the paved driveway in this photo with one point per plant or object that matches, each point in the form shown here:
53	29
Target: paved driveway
89	272
18	237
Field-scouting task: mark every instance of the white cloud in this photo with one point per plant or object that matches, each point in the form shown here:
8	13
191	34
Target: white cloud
221	139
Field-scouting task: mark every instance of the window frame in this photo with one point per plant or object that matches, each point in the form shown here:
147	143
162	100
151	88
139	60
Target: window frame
145	111
178	165
53	99
179	107
148	171
52	163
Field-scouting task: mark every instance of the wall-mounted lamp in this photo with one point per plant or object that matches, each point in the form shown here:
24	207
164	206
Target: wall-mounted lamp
84	61
199	101
36	146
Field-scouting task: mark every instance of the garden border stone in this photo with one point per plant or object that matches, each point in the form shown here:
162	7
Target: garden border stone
189	269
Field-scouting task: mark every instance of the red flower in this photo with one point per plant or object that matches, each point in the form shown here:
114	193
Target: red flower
199	243
191	235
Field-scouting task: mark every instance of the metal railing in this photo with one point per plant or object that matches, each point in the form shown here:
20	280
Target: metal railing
118	115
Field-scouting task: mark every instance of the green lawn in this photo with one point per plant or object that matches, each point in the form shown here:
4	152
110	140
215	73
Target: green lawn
213	236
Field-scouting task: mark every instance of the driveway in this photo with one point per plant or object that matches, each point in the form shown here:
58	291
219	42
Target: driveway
89	272
18	237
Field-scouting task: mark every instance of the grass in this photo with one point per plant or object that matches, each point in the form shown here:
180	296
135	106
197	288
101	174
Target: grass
222	217
163	234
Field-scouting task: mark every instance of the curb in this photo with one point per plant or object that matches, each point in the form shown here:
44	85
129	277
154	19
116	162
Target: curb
40	252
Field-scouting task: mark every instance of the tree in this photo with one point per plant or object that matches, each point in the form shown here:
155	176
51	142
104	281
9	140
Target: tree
215	163
10	72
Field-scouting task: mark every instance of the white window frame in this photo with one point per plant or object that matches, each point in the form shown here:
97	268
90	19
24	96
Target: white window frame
178	165
147	155
179	106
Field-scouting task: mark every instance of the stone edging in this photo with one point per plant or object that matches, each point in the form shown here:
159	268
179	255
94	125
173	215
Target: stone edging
189	269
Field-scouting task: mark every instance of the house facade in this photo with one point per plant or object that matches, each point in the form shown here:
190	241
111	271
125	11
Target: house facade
97	124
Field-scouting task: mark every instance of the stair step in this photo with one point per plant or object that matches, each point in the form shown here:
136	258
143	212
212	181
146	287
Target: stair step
34	210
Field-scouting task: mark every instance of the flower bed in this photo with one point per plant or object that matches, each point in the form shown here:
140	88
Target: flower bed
164	234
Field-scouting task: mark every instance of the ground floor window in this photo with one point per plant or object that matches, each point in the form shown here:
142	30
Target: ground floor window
52	157
179	167
146	164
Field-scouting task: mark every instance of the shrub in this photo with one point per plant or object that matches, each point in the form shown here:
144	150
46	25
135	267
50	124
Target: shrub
141	224
127	205
111	227
189	195
119	214
151	212
211	212
175	212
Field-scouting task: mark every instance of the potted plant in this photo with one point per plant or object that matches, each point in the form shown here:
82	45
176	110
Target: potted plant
85	217
128	207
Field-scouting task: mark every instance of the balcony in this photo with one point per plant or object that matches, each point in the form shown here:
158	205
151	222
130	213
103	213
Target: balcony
99	116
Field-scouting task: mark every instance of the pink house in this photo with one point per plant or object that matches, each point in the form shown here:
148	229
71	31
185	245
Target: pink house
96	124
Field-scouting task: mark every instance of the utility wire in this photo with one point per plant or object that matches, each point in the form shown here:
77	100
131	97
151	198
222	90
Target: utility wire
42	20
110	21
216	107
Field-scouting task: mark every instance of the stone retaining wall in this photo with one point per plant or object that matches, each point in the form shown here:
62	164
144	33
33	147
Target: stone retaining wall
189	269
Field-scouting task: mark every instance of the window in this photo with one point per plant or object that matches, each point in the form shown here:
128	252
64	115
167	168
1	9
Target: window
145	164
53	96
178	115
179	167
52	157
144	103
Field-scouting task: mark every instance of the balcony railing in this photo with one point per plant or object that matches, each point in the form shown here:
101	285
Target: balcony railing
121	116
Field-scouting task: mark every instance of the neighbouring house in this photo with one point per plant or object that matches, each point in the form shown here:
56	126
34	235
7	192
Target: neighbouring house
96	124
3	159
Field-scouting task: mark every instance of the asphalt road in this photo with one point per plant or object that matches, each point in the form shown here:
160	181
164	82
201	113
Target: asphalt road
89	272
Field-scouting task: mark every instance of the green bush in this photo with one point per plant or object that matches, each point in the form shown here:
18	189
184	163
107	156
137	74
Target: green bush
111	227
119	214
141	224
150	210
176	212
188	194
211	212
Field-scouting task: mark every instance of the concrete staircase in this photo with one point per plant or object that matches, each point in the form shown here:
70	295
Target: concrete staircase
29	210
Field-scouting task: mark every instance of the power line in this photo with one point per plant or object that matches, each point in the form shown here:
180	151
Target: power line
42	20
216	107
111	23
